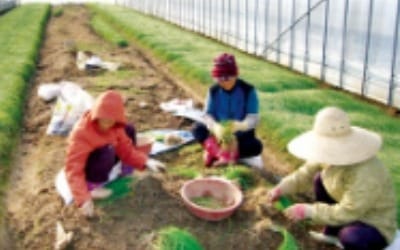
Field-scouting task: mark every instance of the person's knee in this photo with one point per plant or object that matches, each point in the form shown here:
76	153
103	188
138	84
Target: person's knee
200	132
351	238
250	147
99	163
258	147
103	153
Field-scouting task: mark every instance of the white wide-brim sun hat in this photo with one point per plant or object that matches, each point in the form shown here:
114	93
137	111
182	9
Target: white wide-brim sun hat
333	141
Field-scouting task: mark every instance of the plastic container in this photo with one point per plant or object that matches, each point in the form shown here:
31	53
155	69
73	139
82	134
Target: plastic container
217	188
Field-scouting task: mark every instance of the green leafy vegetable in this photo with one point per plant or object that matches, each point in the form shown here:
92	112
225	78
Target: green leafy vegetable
173	238
228	136
208	202
283	203
243	175
289	242
120	188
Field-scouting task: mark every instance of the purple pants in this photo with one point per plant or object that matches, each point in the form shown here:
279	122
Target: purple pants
354	236
101	161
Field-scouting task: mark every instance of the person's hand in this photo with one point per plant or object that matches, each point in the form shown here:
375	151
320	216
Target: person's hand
87	208
274	194
240	126
155	166
298	212
63	238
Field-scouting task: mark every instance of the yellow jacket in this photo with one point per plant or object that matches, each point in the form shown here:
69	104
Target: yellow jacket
363	192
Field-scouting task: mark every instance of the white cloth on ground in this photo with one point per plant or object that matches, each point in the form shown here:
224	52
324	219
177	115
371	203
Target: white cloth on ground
72	103
63	189
85	61
183	108
49	91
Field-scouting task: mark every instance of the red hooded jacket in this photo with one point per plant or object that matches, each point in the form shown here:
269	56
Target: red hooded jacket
86	137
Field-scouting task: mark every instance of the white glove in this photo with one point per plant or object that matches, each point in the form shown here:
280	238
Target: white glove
87	209
218	130
240	126
100	193
155	165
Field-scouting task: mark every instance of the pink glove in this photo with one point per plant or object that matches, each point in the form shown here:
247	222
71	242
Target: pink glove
298	212
211	149
273	195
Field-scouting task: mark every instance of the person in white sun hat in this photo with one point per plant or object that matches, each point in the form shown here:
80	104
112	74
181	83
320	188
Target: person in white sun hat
355	198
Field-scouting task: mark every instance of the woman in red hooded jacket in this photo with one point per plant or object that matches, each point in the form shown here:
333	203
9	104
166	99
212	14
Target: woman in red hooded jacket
99	139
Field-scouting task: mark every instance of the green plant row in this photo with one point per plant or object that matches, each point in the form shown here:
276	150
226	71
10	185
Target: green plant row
288	100
21	32
105	30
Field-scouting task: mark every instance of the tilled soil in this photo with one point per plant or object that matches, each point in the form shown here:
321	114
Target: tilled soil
33	206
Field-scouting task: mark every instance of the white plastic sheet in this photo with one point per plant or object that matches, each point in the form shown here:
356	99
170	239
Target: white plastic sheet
72	102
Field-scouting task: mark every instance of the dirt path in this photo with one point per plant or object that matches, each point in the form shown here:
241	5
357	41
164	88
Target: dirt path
33	207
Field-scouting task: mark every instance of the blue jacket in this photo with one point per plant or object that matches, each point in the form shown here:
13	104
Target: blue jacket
235	104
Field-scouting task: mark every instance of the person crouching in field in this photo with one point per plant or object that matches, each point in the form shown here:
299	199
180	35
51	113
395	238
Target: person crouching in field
354	192
231	117
96	144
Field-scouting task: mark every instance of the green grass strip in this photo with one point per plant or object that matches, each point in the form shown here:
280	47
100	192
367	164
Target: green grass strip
107	32
288	100
191	55
21	32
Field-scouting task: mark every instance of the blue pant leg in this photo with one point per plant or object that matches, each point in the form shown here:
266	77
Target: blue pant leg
200	132
249	145
360	236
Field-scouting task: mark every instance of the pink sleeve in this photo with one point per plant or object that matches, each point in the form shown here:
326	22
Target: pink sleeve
77	153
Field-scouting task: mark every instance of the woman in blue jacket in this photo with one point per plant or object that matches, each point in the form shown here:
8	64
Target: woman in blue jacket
231	101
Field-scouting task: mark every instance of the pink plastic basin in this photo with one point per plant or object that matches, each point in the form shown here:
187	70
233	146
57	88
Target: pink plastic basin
221	189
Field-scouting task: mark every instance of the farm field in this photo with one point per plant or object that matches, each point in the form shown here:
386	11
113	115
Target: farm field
32	205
